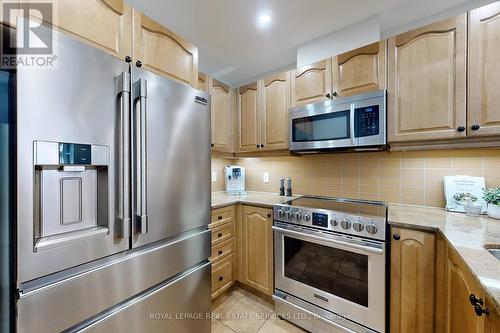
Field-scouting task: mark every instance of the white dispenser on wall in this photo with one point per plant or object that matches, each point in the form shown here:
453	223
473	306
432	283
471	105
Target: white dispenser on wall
234	180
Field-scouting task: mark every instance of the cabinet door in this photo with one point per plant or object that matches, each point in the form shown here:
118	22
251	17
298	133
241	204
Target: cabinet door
412	281
162	51
484	71
426	87
221	117
492	322
311	83
275	104
105	24
203	81
361	70
258	248
249	127
460	284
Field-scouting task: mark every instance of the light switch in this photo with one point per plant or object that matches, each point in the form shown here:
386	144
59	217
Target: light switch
214	177
265	177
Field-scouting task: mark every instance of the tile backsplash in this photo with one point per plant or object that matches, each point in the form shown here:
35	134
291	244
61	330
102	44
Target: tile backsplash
414	177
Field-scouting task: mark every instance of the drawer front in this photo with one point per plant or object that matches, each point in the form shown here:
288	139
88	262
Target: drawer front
223	250
222	233
222	276
222	215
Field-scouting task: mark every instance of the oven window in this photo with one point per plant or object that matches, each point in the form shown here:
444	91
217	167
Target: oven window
337	272
330	126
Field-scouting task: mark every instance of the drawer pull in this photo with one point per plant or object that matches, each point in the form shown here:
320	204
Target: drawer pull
219	217
219	234
220	252
221	278
268	214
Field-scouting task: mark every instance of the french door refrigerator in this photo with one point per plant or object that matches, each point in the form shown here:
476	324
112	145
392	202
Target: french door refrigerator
113	197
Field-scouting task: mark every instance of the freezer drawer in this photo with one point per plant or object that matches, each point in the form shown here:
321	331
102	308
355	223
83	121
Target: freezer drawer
161	311
65	302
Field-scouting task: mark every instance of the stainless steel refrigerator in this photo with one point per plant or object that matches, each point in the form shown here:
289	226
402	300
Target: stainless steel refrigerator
113	197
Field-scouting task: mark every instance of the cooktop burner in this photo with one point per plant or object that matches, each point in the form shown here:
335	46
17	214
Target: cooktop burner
355	217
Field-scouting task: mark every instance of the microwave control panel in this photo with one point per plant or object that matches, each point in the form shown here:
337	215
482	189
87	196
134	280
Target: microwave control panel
366	121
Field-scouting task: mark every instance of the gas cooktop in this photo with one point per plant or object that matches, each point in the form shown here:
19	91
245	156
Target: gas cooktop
348	216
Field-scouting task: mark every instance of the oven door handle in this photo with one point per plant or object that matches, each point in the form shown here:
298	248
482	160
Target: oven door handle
345	243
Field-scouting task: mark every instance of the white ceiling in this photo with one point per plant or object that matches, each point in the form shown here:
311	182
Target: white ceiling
234	50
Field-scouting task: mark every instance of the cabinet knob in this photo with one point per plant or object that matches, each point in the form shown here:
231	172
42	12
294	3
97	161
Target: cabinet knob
221	278
128	59
335	94
475	127
212	144
396	237
257	146
220	252
219	234
269	215
219	217
261	146
460	129
474	300
328	95
480	311
138	63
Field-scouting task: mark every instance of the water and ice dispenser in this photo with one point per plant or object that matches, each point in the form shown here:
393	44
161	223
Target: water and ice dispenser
71	192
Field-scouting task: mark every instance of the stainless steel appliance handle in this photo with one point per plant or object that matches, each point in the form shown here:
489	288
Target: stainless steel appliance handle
122	225
359	245
351	123
140	140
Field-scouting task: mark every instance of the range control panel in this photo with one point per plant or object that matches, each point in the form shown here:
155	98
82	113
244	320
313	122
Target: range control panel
347	223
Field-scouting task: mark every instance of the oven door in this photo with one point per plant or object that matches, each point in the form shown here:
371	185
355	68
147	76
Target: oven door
338	273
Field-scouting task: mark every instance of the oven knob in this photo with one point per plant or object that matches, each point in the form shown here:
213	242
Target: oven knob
372	228
298	216
358	226
281	213
289	215
345	224
307	217
334	222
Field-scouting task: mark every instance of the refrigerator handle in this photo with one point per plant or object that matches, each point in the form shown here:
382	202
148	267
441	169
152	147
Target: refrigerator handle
140	149
122	225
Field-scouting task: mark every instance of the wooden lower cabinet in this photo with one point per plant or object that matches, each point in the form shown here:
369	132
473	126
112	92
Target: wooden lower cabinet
255	251
223	274
412	281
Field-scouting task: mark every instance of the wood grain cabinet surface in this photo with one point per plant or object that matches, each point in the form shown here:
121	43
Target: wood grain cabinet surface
203	81
105	24
256	253
484	71
275	105
164	52
312	83
249	117
412	281
361	70
427	82
222	116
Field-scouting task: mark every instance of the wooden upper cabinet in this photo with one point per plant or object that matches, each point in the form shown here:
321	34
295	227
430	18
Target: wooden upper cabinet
164	52
311	83
249	106
275	105
221	116
460	284
412	281
203	81
426	82
484	71
105	24
257	249
361	70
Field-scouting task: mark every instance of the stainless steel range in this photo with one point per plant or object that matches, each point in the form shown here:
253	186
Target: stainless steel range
330	264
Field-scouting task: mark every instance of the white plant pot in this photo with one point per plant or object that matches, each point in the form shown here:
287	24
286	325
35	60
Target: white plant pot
494	211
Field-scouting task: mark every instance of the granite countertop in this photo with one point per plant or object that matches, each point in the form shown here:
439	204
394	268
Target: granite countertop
468	236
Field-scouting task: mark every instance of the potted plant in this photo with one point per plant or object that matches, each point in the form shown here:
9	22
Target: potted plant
492	197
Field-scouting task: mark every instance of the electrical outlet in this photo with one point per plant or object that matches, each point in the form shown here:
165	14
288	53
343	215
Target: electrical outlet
214	177
265	177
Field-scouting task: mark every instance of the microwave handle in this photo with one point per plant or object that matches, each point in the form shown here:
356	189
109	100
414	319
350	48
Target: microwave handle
351	122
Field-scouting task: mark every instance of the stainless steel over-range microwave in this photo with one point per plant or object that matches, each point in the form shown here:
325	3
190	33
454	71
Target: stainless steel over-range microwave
354	122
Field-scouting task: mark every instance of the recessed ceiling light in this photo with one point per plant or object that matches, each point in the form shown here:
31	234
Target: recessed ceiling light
264	19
